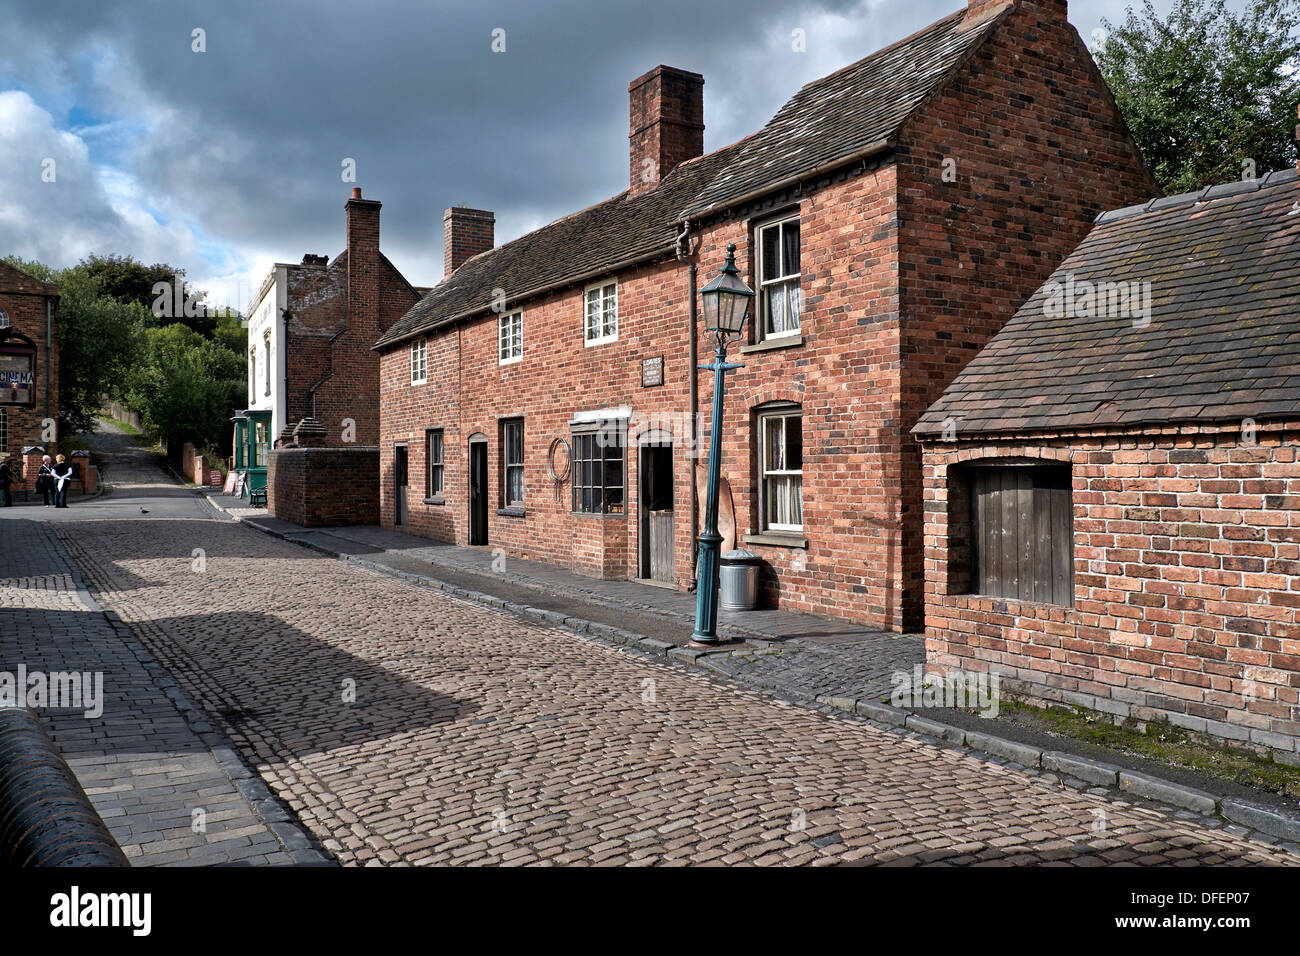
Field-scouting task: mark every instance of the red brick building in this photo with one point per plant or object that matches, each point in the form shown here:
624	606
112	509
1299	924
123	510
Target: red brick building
1113	520
29	362
311	328
543	399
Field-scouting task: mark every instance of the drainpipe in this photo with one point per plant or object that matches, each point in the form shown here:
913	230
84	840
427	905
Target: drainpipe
686	253
49	332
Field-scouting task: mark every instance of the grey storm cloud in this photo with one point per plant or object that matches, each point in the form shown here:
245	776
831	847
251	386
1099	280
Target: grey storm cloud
247	139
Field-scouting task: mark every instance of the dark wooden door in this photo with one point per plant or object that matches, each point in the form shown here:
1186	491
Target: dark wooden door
400	483
657	513
478	493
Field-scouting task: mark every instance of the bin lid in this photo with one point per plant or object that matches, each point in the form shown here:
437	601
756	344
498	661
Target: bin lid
741	556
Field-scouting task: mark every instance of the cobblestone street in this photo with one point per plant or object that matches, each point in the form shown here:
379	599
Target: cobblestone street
478	738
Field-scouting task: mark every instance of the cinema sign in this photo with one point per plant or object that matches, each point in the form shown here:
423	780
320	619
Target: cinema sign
17	369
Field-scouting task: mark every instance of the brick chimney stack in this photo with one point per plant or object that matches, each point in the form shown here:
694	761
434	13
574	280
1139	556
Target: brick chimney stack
977	11
667	124
465	234
363	263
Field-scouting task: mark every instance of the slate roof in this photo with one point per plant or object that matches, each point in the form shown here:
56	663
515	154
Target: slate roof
1222	344
592	241
839	116
827	122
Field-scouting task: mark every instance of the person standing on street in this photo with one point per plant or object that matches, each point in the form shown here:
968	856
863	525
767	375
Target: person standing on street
62	477
45	479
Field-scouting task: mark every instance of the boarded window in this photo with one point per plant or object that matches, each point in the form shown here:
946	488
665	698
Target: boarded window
1022	533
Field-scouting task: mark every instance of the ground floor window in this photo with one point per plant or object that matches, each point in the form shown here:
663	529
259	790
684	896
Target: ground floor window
780	432
598	470
433	464
1022	535
512	463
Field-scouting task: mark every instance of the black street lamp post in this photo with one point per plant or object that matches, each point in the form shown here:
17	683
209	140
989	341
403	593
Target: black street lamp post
726	305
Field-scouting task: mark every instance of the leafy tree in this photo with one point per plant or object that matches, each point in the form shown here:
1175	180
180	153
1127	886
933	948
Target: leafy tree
187	387
230	331
127	280
99	338
1209	95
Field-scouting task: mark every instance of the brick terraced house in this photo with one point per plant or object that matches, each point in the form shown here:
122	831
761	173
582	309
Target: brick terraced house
543	397
29	366
313	380
1114	519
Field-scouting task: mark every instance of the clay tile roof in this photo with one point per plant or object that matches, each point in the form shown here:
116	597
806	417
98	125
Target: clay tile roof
831	120
1222	342
618	230
841	115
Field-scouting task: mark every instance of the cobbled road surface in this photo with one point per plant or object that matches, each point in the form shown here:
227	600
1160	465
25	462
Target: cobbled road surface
405	726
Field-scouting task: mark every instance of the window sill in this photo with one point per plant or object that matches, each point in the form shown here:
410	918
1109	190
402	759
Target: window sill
437	500
511	512
768	345
773	539
596	514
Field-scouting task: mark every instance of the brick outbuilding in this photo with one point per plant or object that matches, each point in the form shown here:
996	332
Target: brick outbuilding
543	399
1112	485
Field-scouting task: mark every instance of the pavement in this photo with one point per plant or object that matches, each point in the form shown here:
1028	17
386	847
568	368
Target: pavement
172	790
801	658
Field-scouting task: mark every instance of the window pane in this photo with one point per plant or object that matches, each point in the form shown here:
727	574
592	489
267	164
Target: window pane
773	443
775	308
790	248
794	443
770	239
794	307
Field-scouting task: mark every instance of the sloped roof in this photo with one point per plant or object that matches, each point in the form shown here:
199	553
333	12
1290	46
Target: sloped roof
618	230
1223	339
829	120
838	116
13	279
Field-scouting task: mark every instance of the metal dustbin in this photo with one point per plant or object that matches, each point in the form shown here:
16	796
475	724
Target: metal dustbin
738	580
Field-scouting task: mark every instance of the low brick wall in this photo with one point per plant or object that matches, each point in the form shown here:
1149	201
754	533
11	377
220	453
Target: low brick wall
317	487
1186	591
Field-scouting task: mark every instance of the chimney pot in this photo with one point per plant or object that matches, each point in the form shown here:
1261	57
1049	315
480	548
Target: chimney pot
666	124
356	192
465	234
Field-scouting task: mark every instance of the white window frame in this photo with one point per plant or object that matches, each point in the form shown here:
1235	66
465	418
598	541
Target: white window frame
782	412
266	338
420	348
794	279
4	319
429	464
507	466
510	337
604	288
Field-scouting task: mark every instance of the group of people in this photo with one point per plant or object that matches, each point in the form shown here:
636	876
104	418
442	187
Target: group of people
52	480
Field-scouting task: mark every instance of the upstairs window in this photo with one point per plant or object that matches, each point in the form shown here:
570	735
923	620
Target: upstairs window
433	464
601	323
267	341
510	338
780	299
781	466
419	362
1022	534
512	463
4	319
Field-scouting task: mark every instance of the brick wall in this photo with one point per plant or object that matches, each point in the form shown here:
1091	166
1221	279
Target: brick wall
1035	149
1186	583
24	299
323	487
904	278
